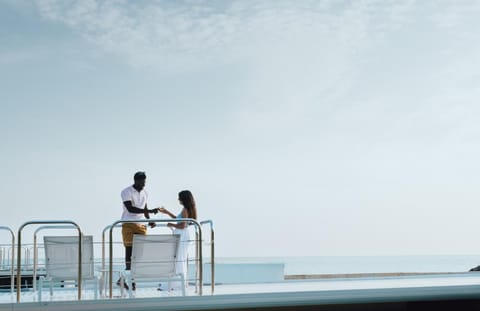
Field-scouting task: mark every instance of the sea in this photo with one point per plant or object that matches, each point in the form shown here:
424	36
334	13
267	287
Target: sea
363	264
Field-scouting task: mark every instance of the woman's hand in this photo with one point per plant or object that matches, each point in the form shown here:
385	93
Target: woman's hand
163	210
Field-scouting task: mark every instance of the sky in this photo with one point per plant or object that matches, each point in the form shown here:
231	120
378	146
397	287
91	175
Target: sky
303	128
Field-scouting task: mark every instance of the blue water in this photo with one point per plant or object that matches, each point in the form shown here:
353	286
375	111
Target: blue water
365	264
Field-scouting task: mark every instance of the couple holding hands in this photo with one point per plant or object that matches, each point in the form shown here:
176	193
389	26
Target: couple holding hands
134	200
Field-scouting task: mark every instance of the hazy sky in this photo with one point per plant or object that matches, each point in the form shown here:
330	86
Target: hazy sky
301	127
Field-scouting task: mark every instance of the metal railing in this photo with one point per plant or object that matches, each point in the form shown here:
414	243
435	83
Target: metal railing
103	242
212	251
67	224
12	264
188	220
103	270
49	222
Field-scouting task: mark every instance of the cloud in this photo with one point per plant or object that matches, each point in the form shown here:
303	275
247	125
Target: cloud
307	63
157	33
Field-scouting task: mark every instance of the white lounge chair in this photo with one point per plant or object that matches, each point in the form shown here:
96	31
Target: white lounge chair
61	261
154	258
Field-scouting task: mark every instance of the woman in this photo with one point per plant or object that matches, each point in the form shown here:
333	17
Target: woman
189	210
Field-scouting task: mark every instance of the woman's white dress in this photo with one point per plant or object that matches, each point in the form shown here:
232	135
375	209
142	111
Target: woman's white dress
182	252
181	263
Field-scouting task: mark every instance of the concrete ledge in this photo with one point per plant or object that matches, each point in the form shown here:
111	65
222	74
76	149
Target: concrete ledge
244	273
360	275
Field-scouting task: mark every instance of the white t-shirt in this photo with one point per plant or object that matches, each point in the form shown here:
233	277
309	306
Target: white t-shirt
138	199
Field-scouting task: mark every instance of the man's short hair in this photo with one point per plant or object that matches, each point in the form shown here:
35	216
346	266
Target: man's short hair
139	176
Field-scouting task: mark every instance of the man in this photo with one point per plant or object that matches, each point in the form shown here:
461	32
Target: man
134	200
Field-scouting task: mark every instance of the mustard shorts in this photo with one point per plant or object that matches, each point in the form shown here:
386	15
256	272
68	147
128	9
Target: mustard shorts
129	229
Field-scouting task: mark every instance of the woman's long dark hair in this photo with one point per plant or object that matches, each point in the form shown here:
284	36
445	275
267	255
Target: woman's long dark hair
186	197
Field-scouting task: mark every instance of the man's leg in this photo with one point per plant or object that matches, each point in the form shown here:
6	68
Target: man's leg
128	257
127	237
139	229
130	230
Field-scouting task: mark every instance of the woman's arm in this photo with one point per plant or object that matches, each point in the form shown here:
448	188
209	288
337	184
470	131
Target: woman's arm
182	224
166	211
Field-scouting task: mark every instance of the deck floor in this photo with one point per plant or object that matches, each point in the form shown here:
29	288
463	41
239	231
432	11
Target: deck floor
149	290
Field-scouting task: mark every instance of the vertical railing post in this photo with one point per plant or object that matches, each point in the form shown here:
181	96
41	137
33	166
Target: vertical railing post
196	259
12	263
19	263
212	252
110	260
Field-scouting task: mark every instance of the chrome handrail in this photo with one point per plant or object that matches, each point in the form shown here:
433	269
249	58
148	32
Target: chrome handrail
196	256
35	250
49	222
103	255
212	251
189	220
103	243
12	268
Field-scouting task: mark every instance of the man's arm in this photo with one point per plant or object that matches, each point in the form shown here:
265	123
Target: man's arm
146	212
132	209
135	210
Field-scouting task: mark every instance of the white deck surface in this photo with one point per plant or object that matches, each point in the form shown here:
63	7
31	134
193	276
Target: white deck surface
450	283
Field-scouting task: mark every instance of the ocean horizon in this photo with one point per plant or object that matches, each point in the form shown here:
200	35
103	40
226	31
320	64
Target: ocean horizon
363	264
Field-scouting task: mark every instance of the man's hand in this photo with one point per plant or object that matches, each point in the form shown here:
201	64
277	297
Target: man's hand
152	224
145	213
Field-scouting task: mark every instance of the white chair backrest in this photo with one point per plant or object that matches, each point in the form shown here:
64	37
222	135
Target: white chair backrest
61	257
154	255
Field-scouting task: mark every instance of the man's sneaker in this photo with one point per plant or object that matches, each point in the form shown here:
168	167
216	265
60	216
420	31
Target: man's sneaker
134	287
124	284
